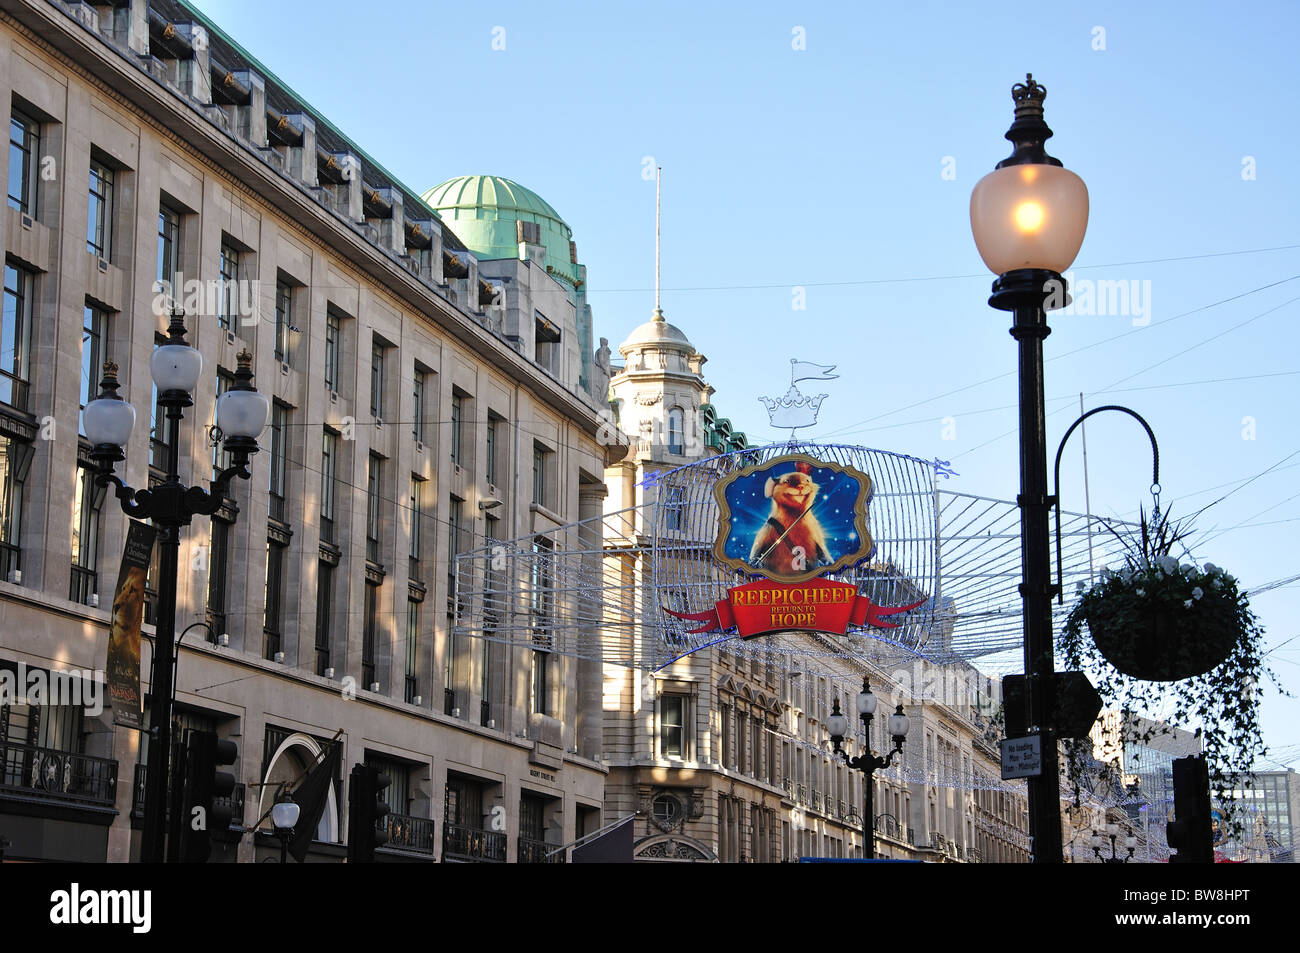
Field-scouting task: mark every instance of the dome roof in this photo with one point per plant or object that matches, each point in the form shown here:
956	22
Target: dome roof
489	192
481	210
657	332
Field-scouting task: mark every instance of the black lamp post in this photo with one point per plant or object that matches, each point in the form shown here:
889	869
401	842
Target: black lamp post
1111	832
867	762
242	415
1028	217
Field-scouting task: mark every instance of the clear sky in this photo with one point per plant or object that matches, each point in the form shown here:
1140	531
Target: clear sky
833	148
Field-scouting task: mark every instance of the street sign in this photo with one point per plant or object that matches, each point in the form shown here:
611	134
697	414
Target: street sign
1022	758
1077	705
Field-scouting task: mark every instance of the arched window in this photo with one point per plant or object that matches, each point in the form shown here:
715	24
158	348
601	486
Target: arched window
675	430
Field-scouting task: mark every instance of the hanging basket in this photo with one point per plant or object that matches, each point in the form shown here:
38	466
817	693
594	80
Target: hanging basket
1164	644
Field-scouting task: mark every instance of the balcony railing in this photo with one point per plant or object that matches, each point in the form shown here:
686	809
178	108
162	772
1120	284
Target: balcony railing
470	843
972	855
887	825
9	560
45	774
538	852
410	833
84	584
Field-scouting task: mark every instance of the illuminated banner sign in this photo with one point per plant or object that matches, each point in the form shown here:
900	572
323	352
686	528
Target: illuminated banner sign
819	605
792	519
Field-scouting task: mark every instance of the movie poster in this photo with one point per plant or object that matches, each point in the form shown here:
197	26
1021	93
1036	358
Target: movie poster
793	518
123	669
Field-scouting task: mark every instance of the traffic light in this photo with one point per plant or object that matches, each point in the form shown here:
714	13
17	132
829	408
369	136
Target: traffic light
206	783
367	814
1190	832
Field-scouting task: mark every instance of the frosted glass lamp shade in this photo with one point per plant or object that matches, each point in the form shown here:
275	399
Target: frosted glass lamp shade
838	724
176	367
243	413
1029	216
899	724
108	421
284	814
866	703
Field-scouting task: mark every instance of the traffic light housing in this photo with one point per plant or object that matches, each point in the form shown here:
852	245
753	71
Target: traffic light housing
1190	832
206	782
367	813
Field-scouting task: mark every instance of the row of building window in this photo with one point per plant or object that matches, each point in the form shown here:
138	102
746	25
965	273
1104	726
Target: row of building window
15	455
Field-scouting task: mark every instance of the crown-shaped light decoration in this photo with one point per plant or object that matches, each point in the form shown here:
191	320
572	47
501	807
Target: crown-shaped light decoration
794	410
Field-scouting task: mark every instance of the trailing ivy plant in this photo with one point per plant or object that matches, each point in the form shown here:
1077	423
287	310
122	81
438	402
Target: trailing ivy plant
1188	608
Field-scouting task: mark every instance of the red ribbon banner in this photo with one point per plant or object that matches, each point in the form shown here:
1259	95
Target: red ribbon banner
818	605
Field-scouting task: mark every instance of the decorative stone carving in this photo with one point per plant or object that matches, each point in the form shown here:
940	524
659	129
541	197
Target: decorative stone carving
672	849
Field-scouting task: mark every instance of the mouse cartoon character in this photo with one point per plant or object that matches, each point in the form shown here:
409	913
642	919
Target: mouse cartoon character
792	541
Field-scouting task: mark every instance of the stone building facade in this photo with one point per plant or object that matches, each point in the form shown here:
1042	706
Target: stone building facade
424	400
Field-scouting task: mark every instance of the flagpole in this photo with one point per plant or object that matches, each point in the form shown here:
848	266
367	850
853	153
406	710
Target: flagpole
659	170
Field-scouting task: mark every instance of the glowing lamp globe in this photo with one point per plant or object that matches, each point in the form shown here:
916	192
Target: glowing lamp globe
1030	213
1029	216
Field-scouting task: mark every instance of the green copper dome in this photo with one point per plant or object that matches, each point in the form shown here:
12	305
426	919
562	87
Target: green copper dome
482	210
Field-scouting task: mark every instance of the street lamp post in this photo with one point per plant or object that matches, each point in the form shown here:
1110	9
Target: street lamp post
1111	832
242	415
1028	218
867	762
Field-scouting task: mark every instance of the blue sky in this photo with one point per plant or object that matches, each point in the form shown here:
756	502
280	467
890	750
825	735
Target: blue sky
822	168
